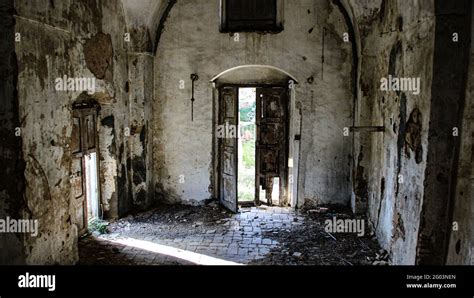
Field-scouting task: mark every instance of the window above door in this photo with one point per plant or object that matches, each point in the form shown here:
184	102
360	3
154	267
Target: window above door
250	16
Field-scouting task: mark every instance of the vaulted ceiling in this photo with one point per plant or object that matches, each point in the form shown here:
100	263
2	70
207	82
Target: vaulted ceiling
148	13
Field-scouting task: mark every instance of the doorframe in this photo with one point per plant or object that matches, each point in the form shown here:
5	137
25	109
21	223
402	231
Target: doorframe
81	112
290	187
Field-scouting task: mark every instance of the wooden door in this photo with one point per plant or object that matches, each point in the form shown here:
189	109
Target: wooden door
227	138
84	142
272	143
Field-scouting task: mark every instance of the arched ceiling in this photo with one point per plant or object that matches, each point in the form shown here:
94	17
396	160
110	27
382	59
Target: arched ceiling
148	13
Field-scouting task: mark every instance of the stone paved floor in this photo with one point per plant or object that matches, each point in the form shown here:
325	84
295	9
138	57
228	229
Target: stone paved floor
234	238
210	235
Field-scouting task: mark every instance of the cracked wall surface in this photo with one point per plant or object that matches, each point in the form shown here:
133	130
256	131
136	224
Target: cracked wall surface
403	166
77	39
399	42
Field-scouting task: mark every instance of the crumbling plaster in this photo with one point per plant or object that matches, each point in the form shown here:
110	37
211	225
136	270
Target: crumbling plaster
388	178
52	45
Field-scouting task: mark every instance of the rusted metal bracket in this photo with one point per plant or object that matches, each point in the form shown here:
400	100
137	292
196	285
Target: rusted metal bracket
368	128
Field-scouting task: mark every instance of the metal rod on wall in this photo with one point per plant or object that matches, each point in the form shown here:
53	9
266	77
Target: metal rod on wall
322	55
194	77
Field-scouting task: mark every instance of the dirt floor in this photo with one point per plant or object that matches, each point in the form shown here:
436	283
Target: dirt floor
185	235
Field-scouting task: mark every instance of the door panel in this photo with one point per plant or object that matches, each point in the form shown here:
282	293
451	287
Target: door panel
76	143
90	131
83	143
269	161
228	106
80	202
271	133
272	142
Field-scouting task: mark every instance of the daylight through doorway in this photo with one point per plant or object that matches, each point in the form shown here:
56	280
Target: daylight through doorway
246	145
92	191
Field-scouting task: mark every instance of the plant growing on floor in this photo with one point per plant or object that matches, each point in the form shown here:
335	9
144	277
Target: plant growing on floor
98	225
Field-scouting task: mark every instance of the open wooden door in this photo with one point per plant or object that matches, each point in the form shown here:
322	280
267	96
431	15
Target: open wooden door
84	146
227	125
272	144
77	181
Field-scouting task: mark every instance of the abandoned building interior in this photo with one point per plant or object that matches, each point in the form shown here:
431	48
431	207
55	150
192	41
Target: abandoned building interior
230	131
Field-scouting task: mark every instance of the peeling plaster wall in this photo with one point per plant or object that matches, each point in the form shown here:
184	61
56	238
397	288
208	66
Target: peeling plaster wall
141	17
53	39
398	41
191	43
140	98
116	180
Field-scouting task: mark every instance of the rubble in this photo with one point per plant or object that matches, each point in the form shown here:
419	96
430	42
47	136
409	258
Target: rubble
320	247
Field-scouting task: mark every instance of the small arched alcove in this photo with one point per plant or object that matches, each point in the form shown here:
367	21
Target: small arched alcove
255	141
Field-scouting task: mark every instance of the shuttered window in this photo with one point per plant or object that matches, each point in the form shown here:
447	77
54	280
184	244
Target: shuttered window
249	15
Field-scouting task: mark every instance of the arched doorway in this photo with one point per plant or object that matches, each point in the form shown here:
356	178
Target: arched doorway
253	152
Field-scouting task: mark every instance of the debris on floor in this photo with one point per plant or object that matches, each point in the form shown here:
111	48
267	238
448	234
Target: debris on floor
315	246
381	258
256	235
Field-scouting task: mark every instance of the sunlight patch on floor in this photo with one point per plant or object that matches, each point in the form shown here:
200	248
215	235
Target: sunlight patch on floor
190	256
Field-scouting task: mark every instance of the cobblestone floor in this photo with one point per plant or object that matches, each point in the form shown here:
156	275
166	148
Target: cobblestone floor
171	235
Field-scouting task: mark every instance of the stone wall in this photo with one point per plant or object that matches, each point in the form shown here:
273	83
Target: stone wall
191	43
141	99
76	39
404	178
390	165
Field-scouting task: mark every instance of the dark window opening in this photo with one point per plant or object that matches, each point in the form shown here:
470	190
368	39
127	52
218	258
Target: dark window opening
249	16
